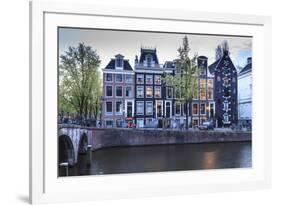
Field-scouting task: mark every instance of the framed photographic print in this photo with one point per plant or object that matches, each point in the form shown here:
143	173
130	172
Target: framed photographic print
147	102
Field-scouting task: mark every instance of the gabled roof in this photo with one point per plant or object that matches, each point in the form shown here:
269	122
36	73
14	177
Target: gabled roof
213	66
247	68
111	65
152	52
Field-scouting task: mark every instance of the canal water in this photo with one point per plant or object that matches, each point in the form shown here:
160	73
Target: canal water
159	158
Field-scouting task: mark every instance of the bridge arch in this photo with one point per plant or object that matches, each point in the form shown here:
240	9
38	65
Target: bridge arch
83	144
66	150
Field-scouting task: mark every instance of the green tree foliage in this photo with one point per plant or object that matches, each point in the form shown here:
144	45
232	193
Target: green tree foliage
79	81
184	82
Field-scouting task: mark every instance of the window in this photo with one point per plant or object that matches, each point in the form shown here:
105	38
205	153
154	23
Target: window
119	123
119	62
203	89
225	117
195	109
140	92
129	91
129	109
168	110
119	92
140	107
157	92
178	108
195	122
148	60
177	93
225	81
118	78
109	123
129	79
169	92
159	109
212	110
119	107
140	122
233	80
210	89
108	77
225	105
108	108
149	121
157	79
140	79
202	109
218	78
149	108
149	92
149	79
108	91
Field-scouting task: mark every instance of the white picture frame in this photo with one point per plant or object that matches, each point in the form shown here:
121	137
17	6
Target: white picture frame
46	187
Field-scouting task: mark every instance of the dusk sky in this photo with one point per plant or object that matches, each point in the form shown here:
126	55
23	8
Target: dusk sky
108	43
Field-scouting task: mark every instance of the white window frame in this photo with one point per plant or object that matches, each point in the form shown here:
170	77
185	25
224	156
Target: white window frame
117	74
146	79
116	91
198	109
155	88
155	76
140	113
176	103
137	76
171	113
106	112
131	91
106	91
109	81
167	88
161	101
121	110
146	91
131	77
204	108
147	102
142	87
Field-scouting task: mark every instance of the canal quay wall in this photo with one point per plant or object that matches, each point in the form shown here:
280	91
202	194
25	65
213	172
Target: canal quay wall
102	138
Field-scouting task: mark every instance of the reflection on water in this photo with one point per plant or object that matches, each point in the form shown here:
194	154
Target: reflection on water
157	158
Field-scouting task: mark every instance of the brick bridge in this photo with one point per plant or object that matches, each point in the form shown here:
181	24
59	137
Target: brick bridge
74	139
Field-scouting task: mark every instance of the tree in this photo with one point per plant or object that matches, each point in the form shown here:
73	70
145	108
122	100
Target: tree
79	81
186	81
223	47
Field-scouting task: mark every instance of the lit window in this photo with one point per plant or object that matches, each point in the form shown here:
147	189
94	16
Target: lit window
157	79
203	89
149	108
210	89
157	92
119	92
149	92
149	79
159	108
118	78
140	107
140	79
140	92
195	109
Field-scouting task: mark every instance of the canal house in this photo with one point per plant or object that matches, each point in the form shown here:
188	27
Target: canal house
225	91
118	92
150	98
203	104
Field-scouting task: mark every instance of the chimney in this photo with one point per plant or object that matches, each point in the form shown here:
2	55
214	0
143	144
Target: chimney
136	60
249	60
